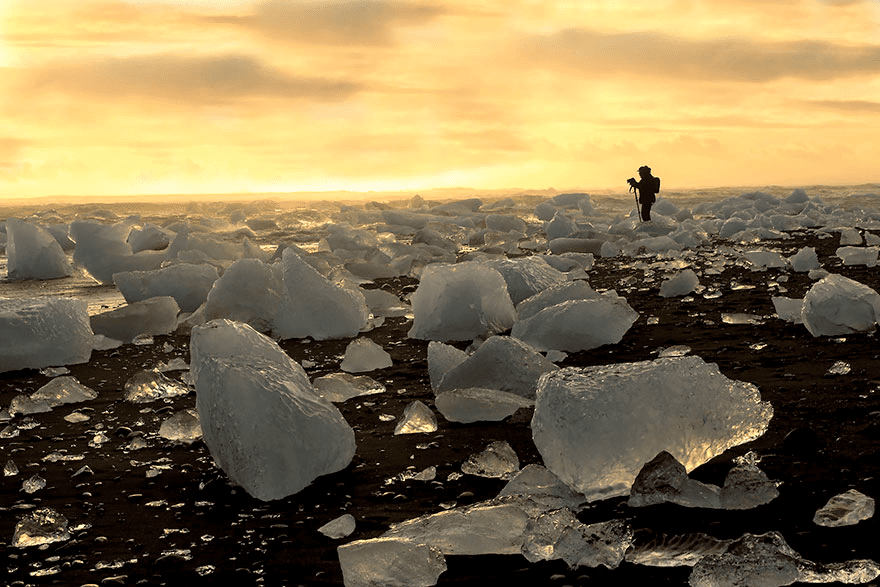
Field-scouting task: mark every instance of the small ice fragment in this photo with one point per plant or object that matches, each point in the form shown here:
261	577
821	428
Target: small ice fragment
76	417
392	562
84	470
54	371
339	528
498	461
758	346
678	350
42	526
387	418
59	391
474	404
739	318
142	340
33	484
10	469
98	439
845	509
559	534
839	368
149	386
339	387
183	427
681	284
362	355
175	364
417	417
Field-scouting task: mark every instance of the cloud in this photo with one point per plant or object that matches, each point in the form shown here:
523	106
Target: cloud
651	55
853	106
363	22
203	79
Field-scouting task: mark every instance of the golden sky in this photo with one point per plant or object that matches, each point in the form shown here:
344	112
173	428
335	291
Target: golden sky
211	96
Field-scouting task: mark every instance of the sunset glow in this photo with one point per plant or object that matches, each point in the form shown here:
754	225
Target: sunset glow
141	97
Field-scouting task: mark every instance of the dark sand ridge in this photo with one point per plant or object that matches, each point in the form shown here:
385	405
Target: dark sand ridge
188	525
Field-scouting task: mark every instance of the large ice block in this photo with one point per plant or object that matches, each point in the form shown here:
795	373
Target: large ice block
33	253
838	305
188	284
595	427
46	332
151	316
460	302
390	562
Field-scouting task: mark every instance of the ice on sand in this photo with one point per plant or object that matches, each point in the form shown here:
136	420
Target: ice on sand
151	316
183	427
339	387
503	363
460	302
846	509
837	305
341	527
362	354
479	405
578	325
188	284
804	260
390	562
595	427
558	534
442	358
61	390
526	276
262	420
42	526
45	332
151	385
33	253
498	461
680	284
417	418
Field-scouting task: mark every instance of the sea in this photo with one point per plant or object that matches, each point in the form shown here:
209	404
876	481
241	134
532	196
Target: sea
303	219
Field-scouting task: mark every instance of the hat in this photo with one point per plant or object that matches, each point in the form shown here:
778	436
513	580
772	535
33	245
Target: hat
644	168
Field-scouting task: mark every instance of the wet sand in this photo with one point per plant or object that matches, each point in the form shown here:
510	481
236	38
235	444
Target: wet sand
166	515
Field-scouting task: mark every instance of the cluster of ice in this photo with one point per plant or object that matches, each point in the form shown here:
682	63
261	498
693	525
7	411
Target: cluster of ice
595	427
33	253
102	250
44	332
261	418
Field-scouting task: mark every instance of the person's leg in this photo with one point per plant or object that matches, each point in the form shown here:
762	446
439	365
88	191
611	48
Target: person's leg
646	211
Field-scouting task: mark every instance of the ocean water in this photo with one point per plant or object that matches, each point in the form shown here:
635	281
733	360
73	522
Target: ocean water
274	220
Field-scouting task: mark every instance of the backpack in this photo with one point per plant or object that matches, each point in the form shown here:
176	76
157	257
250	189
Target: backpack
656	185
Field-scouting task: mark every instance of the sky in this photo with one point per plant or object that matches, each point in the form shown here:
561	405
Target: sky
126	97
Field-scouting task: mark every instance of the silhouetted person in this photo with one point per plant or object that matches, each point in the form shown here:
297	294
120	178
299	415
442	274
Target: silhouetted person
647	189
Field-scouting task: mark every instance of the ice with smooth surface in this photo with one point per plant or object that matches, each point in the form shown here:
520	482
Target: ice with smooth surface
442	358
503	363
102	250
788	309
183	427
858	255
390	562
497	461
33	253
846	509
765	259
578	325
249	291
461	301
526	276
187	283
261	418
41	526
45	332
479	405
680	284
595	427
340	387
316	307
555	294
559	534
151	385
61	390
362	354
417	418
151	316
837	305
340	527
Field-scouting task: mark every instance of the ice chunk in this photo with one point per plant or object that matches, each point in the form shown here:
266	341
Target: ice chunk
314	306
148	238
498	461
383	303
59	391
680	284
595	427
846	509
151	316
188	284
417	418
745	487
560	535
183	427
526	276
495	527
460	302
151	385
42	526
788	309
765	259
479	405
858	255
362	354
683	550
390	562
578	325
339	528
838	305
46	332
804	260
340	387
33	253
442	358
503	363
542	486
555	294
102	250
850	236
